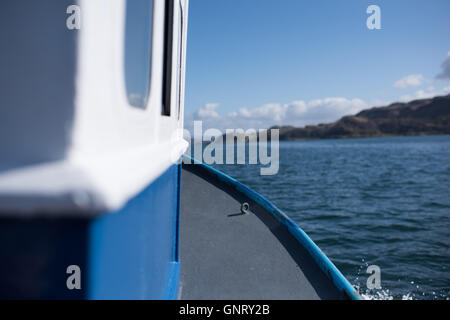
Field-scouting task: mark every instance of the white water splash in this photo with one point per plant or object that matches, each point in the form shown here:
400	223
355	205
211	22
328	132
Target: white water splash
381	295
384	295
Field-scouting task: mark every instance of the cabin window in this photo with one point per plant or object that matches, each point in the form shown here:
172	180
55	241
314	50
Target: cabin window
138	30
168	43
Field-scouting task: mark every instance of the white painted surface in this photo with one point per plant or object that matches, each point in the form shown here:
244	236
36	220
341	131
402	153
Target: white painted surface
37	81
114	150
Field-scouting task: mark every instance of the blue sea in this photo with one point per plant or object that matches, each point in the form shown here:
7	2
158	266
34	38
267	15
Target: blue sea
370	201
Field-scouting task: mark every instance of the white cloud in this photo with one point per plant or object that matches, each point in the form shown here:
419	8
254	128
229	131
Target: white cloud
208	111
327	110
413	80
296	113
445	68
425	93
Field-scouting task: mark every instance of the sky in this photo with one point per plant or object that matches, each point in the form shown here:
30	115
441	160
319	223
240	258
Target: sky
258	63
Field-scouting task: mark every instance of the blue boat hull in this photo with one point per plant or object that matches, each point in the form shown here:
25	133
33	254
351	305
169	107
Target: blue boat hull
128	254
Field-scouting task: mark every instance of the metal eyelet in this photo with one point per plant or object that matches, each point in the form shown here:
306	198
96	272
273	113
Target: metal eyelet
245	207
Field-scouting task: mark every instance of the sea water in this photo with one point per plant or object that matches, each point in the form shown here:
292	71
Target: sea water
369	201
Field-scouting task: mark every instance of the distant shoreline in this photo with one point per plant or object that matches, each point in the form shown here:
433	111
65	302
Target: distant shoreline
415	118
368	137
345	138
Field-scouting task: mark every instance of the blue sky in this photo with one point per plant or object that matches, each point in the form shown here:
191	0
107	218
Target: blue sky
255	63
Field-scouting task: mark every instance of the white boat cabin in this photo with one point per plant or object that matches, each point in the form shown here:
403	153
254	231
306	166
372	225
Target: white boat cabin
91	101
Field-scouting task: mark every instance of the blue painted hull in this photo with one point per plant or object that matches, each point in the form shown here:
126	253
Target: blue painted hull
128	254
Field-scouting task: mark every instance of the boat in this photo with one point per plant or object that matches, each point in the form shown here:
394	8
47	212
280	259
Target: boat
97	199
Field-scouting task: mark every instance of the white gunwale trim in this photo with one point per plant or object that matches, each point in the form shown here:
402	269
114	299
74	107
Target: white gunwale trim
83	185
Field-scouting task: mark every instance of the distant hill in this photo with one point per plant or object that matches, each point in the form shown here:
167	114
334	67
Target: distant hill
418	117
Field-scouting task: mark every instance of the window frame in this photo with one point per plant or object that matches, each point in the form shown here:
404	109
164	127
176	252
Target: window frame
168	57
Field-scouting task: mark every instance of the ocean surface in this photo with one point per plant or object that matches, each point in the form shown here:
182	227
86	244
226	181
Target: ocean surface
371	201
